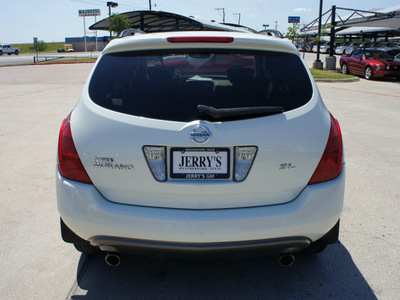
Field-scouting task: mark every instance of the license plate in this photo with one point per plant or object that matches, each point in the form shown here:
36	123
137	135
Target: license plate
200	163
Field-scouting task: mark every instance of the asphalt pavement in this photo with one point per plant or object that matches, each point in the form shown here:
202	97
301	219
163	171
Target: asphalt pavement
36	264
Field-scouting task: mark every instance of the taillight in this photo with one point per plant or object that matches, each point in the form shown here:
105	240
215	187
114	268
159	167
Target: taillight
69	163
330	165
200	39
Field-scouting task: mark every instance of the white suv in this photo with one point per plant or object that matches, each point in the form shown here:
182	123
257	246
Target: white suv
200	142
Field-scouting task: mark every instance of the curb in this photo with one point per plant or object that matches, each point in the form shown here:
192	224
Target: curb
337	80
64	63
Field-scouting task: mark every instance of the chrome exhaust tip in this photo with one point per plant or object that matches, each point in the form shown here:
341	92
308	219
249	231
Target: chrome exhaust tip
286	260
112	259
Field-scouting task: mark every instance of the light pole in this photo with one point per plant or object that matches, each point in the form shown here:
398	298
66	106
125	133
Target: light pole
223	14
111	4
237	14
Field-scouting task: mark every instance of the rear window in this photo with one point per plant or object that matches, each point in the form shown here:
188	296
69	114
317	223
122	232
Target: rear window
169	85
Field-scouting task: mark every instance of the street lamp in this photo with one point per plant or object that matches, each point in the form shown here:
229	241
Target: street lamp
111	4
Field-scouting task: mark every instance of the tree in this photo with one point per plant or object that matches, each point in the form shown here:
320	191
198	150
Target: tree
293	32
41	46
119	23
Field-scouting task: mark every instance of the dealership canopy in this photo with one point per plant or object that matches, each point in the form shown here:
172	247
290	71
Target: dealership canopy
160	21
388	18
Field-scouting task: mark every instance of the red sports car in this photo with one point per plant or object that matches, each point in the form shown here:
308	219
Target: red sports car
370	63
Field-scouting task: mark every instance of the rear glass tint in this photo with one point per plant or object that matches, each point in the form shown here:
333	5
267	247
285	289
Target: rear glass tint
169	85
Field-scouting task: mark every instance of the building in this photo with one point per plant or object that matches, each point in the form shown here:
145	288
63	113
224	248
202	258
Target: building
78	43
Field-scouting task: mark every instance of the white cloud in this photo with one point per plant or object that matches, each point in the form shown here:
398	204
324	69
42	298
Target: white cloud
303	9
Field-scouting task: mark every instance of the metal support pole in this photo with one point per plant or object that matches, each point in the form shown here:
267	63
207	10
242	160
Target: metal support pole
84	30
317	63
333	31
319	29
109	15
97	48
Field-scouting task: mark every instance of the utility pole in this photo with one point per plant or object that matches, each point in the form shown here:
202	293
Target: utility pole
223	14
276	25
149	4
237	14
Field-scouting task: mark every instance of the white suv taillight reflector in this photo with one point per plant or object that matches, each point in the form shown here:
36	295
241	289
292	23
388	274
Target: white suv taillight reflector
155	157
330	165
69	163
244	157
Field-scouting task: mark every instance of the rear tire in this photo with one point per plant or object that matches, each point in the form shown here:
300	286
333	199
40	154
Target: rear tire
16	52
368	73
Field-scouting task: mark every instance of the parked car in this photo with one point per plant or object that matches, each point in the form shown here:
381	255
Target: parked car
352	47
342	49
309	46
370	63
234	152
387	46
324	47
301	47
397	58
7	49
67	48
271	32
368	45
393	53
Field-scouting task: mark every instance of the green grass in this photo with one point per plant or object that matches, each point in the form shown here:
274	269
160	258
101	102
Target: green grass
323	74
51	47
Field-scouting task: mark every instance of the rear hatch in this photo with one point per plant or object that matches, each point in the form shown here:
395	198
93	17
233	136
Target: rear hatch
200	128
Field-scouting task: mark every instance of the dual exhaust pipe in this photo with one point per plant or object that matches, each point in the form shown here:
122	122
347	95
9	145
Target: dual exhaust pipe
114	260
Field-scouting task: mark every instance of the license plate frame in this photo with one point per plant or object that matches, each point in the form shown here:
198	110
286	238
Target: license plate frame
200	163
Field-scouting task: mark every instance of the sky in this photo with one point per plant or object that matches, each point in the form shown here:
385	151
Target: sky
53	20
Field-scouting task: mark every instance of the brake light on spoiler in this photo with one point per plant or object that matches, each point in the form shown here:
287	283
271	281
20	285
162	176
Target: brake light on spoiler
200	39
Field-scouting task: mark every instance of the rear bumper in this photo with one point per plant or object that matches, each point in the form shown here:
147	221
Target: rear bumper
115	227
230	249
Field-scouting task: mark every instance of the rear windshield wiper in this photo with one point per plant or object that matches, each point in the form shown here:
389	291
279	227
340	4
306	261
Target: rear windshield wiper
238	113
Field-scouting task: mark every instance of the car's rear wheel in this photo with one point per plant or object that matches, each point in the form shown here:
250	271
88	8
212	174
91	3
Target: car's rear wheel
368	73
16	52
345	70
